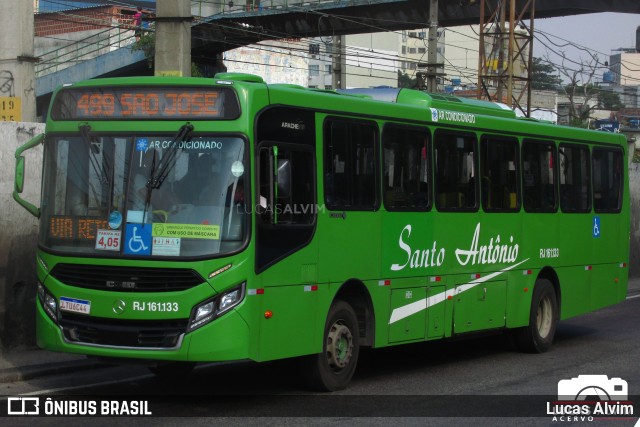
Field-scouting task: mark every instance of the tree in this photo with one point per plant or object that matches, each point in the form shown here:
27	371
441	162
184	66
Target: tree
404	80
609	100
580	90
544	75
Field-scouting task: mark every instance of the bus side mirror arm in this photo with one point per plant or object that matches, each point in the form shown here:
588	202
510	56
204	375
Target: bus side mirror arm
18	183
273	184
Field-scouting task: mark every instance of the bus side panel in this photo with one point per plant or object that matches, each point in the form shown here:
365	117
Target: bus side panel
575	255
292	295
575	289
519	293
429	316
349	245
381	300
608	286
293	329
481	307
410	292
408	261
610	275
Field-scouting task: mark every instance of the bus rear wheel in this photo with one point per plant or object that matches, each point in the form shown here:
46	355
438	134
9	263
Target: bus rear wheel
543	319
332	369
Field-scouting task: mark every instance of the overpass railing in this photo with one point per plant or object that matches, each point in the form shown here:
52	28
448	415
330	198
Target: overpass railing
199	7
84	49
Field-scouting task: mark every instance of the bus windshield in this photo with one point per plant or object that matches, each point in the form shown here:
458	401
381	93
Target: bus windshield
102	196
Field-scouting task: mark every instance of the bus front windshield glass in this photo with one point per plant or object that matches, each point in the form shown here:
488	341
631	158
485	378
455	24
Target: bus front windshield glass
139	197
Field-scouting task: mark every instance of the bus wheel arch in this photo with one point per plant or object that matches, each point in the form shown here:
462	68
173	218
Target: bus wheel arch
549	274
355	293
544	314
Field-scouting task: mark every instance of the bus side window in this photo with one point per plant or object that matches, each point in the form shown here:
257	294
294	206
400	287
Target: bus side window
575	180
539	167
607	180
499	170
350	166
406	171
455	160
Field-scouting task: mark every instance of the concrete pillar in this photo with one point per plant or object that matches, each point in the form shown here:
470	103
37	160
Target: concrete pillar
18	238
17	73
173	38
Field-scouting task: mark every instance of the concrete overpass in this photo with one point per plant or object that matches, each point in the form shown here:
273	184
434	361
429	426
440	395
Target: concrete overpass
227	31
278	19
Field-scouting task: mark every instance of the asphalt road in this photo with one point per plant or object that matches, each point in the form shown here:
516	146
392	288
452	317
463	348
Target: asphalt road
479	381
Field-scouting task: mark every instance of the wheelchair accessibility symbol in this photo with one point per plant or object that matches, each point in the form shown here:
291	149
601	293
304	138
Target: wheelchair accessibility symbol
138	239
596	226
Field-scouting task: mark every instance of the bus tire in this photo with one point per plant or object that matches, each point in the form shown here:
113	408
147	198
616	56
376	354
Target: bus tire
543	319
332	369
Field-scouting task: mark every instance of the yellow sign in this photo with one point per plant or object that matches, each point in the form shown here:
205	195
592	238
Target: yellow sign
10	109
169	73
188	231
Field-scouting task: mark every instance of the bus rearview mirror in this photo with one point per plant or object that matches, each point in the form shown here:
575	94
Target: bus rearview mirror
19	178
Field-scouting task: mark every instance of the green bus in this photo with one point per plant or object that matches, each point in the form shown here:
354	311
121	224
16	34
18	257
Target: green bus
185	220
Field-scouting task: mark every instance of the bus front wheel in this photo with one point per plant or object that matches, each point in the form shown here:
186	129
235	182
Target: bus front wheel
543	318
332	369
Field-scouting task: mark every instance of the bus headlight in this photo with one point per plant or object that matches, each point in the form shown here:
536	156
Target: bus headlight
213	308
48	302
229	300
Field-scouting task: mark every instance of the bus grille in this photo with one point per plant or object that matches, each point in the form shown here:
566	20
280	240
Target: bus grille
122	333
123	279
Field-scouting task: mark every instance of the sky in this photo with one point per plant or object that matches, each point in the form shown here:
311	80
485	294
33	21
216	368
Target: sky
600	32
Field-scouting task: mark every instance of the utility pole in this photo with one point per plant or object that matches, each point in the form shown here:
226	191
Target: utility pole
173	38
433	67
503	45
338	63
17	62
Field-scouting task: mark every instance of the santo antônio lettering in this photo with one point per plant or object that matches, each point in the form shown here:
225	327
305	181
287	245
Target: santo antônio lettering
496	251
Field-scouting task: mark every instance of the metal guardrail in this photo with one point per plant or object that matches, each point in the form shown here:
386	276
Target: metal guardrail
233	6
87	48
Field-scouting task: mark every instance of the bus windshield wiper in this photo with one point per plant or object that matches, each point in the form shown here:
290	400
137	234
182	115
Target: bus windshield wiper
92	150
156	178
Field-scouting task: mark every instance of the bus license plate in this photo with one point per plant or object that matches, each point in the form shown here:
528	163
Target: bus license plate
75	305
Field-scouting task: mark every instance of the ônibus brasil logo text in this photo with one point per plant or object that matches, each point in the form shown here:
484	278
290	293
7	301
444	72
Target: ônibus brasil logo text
588	396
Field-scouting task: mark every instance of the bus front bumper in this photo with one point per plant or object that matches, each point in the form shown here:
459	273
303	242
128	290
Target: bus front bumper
224	339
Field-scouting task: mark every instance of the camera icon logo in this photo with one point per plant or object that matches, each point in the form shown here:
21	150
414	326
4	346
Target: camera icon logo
593	388
23	406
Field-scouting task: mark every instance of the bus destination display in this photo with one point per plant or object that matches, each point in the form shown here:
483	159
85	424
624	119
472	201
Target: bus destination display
115	103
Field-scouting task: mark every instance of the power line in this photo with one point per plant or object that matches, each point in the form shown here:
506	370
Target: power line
372	58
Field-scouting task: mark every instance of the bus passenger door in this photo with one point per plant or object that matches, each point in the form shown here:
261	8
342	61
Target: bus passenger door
479	307
349	224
